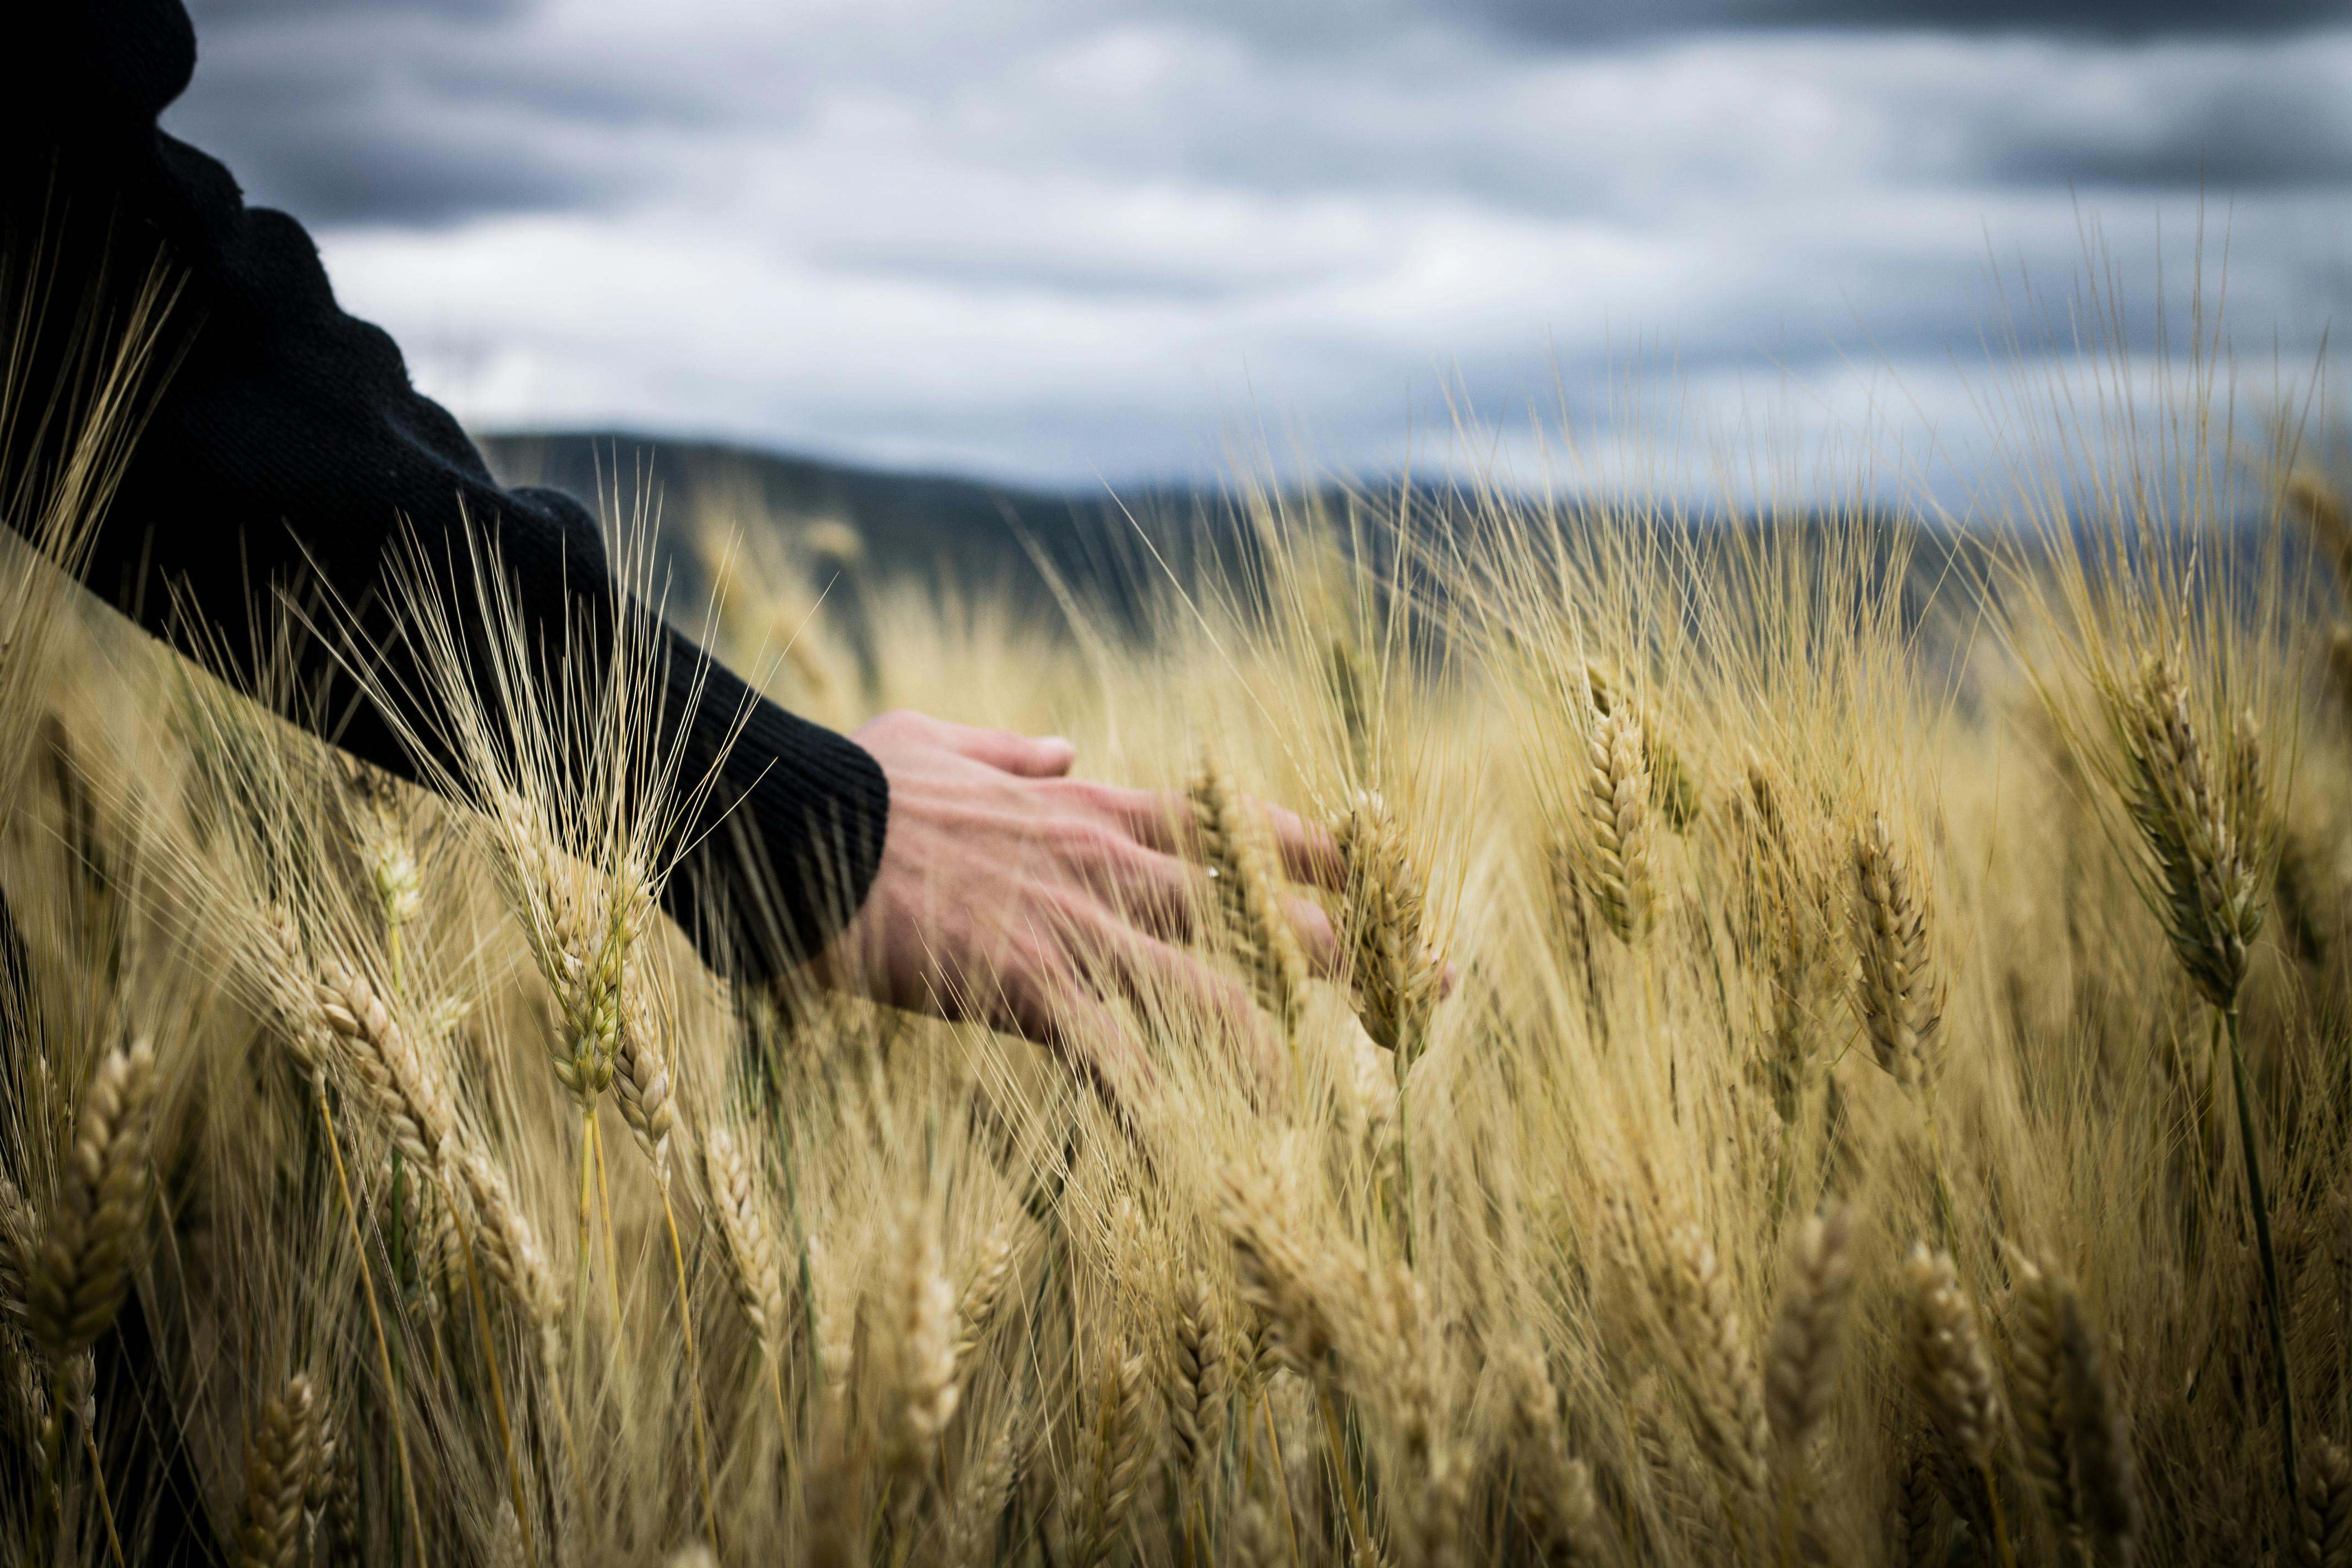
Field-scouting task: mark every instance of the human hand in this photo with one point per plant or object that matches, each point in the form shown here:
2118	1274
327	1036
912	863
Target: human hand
1012	894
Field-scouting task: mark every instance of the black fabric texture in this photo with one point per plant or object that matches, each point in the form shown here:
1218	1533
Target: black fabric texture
287	451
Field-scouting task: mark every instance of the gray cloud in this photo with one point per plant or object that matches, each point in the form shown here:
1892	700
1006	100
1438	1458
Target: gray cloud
1057	238
1580	20
2234	136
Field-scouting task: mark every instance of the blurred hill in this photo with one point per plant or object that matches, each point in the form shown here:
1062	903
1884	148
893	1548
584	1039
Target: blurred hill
965	531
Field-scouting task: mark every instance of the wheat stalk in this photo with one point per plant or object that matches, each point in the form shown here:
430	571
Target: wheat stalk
282	1458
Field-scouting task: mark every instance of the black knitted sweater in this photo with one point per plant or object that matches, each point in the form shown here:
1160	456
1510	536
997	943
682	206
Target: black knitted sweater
286	452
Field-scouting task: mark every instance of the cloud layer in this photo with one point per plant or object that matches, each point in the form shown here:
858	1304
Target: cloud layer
1061	240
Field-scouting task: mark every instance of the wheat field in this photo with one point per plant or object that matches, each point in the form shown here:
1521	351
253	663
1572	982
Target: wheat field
1837	1061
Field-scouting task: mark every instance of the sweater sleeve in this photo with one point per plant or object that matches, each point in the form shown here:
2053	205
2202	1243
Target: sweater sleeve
287	450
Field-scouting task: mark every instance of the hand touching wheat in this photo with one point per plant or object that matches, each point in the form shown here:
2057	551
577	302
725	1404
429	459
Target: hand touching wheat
1011	893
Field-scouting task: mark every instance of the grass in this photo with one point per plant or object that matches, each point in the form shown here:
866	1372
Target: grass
1889	1104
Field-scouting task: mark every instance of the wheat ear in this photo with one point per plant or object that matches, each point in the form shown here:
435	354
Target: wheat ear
1617	811
2037	1355
510	1246
2326	1533
738	1213
1897	993
641	1074
984	1281
980	1502
1800	1367
1554	1490
2106	1470
1276	1278
1249	893
83	1268
1671	787
2206	892
399	1083
281	1460
1725	1388
1121	1454
1953	1378
1195	1385
926	1394
1395	974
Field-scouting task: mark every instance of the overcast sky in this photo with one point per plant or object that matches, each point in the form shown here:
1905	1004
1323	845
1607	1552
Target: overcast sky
1061	239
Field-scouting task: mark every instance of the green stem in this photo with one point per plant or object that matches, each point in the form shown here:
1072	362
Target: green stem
375	1322
2273	1300
1404	1156
53	1444
693	1362
1943	1188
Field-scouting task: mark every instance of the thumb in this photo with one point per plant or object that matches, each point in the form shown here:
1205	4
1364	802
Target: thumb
1030	756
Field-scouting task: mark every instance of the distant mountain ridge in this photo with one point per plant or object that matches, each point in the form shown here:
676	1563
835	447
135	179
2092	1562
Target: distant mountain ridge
954	529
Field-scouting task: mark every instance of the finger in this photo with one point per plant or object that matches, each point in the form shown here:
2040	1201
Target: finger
1059	1011
1159	893
1160	979
1309	853
1315	937
1030	756
1157	819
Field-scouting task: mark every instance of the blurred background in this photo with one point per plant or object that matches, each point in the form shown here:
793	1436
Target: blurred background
1057	244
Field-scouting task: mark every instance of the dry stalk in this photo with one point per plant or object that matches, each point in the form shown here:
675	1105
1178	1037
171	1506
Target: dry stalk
282	1461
